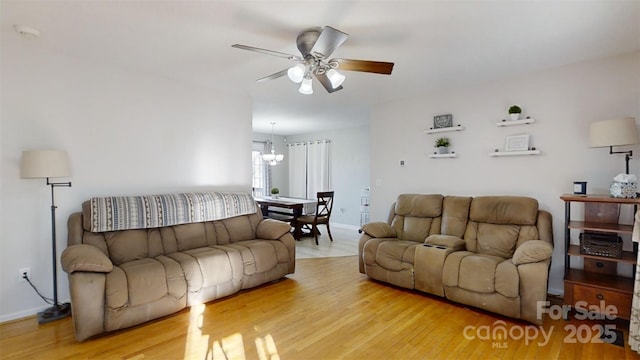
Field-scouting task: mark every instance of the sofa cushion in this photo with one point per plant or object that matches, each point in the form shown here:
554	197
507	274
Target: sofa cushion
415	228
127	245
239	228
190	236
391	254
507	282
497	240
419	205
146	281
513	210
455	214
259	255
477	273
486	274
379	230
83	257
532	251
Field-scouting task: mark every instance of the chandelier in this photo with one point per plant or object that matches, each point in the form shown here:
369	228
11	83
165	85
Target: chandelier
272	158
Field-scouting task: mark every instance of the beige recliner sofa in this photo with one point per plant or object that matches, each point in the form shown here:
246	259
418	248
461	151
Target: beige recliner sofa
122	278
489	252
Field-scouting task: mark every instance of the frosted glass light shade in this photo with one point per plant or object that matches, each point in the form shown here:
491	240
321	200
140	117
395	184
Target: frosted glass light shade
44	164
296	73
306	87
335	78
613	132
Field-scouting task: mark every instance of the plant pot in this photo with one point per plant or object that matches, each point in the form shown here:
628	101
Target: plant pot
275	196
443	150
515	116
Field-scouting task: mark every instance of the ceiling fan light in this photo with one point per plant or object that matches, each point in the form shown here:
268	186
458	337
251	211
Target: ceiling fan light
296	73
335	78
306	87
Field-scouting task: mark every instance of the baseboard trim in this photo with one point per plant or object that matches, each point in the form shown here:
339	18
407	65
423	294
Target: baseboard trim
21	315
25	314
346	226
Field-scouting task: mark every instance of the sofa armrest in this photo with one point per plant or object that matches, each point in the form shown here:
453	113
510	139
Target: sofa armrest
449	241
270	229
87	258
379	230
532	251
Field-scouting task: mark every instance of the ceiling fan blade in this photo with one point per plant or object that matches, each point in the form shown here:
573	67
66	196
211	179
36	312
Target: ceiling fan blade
328	41
378	67
268	52
324	80
274	76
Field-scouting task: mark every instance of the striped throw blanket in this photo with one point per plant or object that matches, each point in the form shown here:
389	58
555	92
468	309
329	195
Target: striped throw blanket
151	211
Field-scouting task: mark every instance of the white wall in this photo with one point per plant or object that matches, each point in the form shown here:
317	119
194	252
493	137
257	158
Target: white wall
350	168
125	132
564	101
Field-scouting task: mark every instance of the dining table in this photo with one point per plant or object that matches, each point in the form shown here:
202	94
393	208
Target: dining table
291	208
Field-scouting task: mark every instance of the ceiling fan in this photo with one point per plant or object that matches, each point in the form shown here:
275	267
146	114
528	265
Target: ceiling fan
315	46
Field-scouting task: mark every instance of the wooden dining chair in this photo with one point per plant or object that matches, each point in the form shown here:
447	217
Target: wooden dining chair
322	215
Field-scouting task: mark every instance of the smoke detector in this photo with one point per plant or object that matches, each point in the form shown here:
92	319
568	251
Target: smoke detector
27	32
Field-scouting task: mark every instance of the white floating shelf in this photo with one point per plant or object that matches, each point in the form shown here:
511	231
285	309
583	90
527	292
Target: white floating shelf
439	156
514	153
447	129
515	122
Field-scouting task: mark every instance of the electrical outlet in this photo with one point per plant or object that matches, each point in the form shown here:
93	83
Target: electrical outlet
23	271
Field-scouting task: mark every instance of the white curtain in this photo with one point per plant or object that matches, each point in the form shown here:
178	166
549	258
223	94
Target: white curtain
318	167
298	170
309	168
634	322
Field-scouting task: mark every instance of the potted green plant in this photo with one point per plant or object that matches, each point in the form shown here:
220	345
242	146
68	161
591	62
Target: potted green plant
275	192
443	145
514	112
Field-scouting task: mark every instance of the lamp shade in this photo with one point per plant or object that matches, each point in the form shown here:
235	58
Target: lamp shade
306	87
613	132
296	73
335	78
44	164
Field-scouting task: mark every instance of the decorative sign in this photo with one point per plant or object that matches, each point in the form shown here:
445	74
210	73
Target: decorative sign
517	143
442	121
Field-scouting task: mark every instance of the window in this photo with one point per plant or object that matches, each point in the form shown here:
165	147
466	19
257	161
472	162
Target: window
260	171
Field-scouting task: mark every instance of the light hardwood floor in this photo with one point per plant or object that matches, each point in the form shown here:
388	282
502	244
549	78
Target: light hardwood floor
345	243
326	310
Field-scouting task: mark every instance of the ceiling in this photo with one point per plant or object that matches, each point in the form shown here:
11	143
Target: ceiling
434	45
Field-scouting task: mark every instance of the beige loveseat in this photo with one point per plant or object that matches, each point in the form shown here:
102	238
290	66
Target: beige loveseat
121	278
490	252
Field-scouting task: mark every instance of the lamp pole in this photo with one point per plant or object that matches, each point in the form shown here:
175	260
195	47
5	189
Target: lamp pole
627	157
57	311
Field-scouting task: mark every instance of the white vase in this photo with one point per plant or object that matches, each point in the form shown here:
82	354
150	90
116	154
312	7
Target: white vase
443	150
275	196
515	116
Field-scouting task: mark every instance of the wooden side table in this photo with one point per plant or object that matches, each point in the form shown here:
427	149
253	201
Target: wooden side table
599	280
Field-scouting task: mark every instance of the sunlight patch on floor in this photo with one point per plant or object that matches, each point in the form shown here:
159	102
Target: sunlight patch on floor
201	346
266	348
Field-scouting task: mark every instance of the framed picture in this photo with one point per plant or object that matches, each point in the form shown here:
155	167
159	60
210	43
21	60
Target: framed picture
442	121
517	143
580	187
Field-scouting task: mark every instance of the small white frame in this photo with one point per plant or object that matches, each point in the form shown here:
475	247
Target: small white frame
516	143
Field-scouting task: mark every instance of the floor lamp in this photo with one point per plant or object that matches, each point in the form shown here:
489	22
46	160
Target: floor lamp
614	132
45	164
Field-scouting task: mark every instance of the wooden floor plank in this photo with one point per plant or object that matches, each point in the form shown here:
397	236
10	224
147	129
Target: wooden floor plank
326	310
